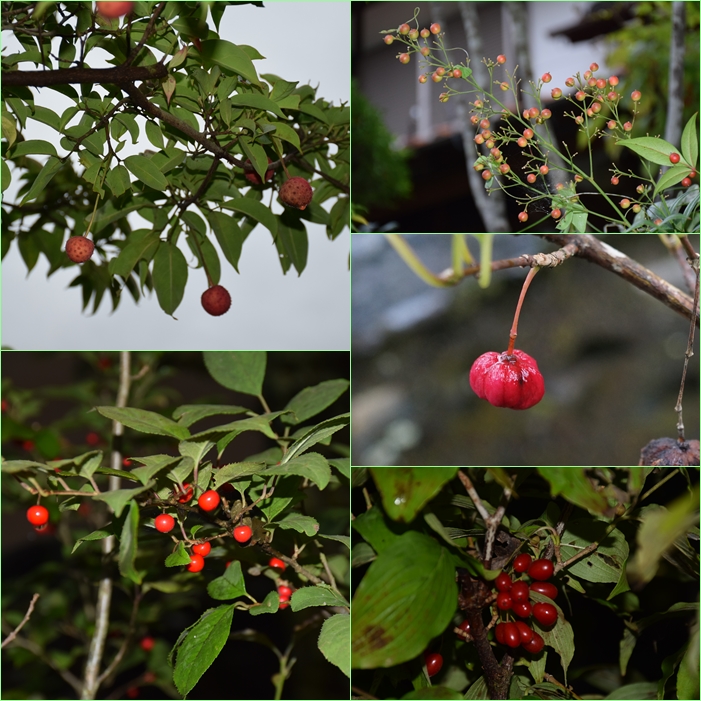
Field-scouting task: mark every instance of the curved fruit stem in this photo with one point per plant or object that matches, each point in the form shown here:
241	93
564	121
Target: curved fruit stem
514	326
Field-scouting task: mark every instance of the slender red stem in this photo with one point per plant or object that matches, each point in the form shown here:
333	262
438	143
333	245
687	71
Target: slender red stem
514	326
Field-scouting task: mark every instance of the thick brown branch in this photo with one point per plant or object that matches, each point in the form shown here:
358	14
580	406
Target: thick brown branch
64	76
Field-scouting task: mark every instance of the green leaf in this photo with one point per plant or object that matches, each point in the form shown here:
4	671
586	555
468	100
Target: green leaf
435	692
671	177
119	498
228	234
256	210
33	146
287	492
189	414
292	235
316	596
52	166
373	527
315	435
146	171
287	133
406	490
240	371
118	181
235	471
342	465
128	543
650	148
230	585
688	675
258	102
268	605
690	143
313	466
145	421
560	637
101	534
195	450
573	485
154	134
6	176
638	690
606	563
334	641
394	616
201	646
229	56
179	557
298	522
141	245
152	465
169	276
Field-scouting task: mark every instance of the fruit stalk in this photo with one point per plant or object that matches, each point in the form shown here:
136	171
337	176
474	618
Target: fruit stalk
514	326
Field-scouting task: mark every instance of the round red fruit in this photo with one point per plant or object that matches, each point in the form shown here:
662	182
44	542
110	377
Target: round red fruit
504	380
503	582
499	633
545	614
434	660
522	562
525	632
254	178
277	564
512	637
435	29
79	249
164	523
202	549
541	570
209	500
674	158
686	182
545	588
284	593
38	515
114	9
186	494
196	563
535	645
242	534
501	59
404	28
216	300
465	625
297	192
147	643
504	600
519	591
522	609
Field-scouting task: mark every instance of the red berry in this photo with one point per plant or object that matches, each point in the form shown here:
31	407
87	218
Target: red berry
614	180
404	28
541	570
216	300
522	562
545	588
569	82
38	515
388	39
601	83
196	563
242	534
556	93
92	438
284	592
435	29
403	58
434	660
297	192
692	174
528	133
424	33
531	177
486	175
546	77
254	178
522	142
504	600
164	523
544	169
202	549
674	157
519	591
512	637
522	217
686	182
209	500
594	67
522	609
133	692
545	614
556	213
625	203
147	643
580	95
613	80
465	625
524	631
283	604
535	645
503	582
511	381
184	496
277	563
501	59
114	9
635	95
546	113
499	633
79	249
627	127
533	112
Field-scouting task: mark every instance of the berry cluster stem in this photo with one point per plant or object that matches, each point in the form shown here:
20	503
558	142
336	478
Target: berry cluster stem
514	326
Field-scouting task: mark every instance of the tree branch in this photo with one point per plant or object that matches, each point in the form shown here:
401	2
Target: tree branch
119	75
27	615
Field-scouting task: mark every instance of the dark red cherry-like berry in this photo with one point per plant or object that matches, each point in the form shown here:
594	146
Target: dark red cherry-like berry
512	637
503	582
541	570
519	591
507	380
434	662
535	645
499	633
465	625
504	600
526	632
544	588
522	562
522	609
545	614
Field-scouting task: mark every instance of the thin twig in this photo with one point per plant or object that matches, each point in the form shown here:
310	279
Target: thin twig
27	615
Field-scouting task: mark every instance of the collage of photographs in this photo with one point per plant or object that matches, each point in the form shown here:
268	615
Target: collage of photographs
350	349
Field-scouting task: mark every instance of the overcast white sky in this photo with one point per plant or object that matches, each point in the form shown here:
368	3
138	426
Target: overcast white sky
305	42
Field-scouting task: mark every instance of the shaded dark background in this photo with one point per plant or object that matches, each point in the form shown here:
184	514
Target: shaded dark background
60	430
611	356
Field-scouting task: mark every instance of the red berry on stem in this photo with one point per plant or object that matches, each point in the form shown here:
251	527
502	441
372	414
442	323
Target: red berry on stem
164	523
112	10
38	515
512	637
209	500
202	549
545	588
404	58
242	534
434	660
147	643
635	95
184	496
389	39
216	300
522	609
614	180
504	600
297	192
501	59
545	614
556	93
541	570
465	625
519	591
522	562
531	177
435	28
524	631
284	592
79	249
503	582
686	182
196	563
277	563
254	178
674	157
404	28
546	77
535	645
499	633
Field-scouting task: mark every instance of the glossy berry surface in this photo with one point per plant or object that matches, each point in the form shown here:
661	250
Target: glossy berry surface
541	570
79	249
37	515
504	600
522	609
164	523
216	300
242	534
209	500
511	635
196	563
545	588
519	591
284	592
545	614
522	562
499	633
524	631
674	157
202	549
434	662
184	496
277	564
465	625
535	645
503	582
510	381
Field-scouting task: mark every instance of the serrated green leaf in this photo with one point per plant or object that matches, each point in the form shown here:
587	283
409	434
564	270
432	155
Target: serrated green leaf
334	642
119	498
315	435
241	371
316	596
230	585
179	557
298	522
145	421
313	466
268	605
